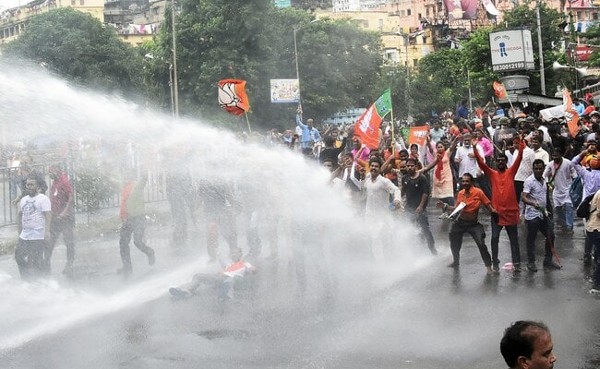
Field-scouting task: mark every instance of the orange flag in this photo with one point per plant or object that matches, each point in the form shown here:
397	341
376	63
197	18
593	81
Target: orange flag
570	114
233	97
499	90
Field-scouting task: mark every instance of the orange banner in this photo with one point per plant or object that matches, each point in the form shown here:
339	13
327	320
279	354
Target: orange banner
570	113
499	90
418	135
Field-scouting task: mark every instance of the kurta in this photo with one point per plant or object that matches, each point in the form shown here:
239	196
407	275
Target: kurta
444	186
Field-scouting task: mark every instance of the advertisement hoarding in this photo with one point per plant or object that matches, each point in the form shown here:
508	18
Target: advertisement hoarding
511	50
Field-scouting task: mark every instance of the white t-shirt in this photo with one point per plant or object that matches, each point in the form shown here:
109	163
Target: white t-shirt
34	220
468	164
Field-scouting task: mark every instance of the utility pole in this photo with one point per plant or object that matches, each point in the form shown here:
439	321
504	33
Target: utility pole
540	49
174	63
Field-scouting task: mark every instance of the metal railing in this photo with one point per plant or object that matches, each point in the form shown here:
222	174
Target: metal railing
11	188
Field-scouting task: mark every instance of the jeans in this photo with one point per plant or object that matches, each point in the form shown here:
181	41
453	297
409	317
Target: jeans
564	215
422	222
66	226
459	228
29	255
541	225
513	236
594	238
133	226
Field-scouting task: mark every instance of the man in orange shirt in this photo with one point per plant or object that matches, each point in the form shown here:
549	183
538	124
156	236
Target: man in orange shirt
467	222
504	200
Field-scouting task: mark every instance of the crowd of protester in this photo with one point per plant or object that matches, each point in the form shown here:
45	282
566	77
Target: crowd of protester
530	174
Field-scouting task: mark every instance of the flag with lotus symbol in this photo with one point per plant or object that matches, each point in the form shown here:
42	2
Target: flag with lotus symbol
367	126
233	97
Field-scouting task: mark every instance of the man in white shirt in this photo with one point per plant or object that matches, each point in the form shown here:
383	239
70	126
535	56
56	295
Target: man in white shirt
34	230
559	173
540	153
466	159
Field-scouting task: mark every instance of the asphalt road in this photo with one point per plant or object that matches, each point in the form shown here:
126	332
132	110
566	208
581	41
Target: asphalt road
410	311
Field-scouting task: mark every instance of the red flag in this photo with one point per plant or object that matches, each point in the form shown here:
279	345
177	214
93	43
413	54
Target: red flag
570	113
233	97
499	90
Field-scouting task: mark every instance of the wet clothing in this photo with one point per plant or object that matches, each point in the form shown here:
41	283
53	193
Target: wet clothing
29	253
61	198
467	223
132	213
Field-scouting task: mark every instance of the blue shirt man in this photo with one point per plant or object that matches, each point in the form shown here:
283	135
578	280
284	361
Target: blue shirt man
310	135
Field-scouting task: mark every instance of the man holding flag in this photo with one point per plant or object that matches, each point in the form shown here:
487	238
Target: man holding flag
310	135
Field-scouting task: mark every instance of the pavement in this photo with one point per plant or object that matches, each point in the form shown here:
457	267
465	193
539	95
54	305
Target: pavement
405	311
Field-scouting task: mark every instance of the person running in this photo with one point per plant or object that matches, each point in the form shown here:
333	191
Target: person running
504	200
467	222
416	189
133	215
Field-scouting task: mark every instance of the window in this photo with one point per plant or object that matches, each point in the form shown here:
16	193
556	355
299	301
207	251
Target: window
380	25
82	2
595	16
408	12
72	2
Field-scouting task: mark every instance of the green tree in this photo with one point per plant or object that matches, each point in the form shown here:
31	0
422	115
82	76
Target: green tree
523	16
252	40
80	48
441	82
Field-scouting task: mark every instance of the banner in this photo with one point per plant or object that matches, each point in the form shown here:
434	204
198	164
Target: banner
499	90
367	125
418	135
285	91
570	114
233	97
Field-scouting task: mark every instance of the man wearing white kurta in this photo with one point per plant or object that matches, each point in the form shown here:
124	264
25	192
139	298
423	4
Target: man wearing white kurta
378	189
560	173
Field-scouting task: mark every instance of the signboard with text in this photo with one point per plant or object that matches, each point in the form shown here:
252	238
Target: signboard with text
511	50
283	3
285	91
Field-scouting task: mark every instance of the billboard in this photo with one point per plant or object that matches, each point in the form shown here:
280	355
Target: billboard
283	3
511	50
285	91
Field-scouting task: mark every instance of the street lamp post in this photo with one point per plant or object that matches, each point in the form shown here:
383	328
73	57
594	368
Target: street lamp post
150	56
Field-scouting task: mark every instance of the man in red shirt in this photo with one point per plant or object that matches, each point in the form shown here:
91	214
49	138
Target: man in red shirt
466	222
63	218
504	200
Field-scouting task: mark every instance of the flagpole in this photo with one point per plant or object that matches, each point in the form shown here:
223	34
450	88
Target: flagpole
392	123
248	122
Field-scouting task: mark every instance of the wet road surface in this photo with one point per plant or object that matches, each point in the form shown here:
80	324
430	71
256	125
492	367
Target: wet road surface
410	312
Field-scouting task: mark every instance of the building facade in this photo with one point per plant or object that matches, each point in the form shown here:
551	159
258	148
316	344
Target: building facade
13	21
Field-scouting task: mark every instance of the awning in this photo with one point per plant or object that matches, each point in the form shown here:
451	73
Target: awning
532	99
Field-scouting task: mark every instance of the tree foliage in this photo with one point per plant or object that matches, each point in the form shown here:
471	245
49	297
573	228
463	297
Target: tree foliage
252	40
80	48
